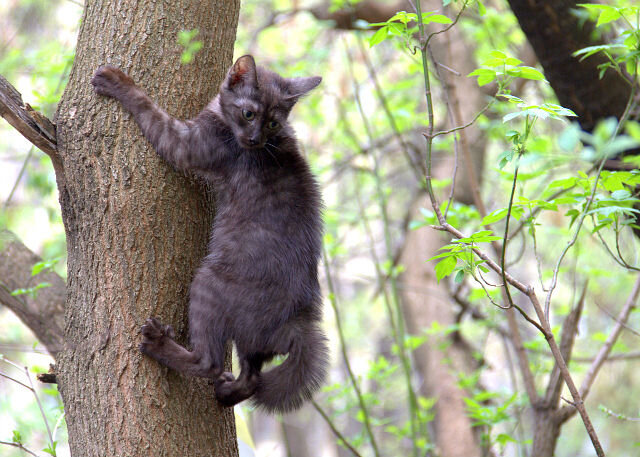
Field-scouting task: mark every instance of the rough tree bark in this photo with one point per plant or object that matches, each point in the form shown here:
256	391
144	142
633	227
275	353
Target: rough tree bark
135	230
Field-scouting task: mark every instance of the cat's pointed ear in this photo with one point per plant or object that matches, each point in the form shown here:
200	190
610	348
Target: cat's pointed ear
243	72
301	86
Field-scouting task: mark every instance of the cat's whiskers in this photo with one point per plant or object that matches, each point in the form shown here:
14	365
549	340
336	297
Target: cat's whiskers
266	148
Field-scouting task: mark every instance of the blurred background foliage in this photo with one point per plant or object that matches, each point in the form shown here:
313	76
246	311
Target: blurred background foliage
358	130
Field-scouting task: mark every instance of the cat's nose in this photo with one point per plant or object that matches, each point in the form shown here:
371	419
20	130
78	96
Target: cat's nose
253	141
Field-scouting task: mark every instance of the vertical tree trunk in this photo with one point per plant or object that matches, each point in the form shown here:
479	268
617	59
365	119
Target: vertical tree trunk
136	230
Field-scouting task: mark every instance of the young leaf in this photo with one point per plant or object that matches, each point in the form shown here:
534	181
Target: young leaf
381	34
445	267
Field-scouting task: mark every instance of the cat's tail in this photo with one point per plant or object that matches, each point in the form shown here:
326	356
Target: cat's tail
285	387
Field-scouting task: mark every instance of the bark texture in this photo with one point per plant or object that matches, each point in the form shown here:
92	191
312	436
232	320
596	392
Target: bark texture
136	230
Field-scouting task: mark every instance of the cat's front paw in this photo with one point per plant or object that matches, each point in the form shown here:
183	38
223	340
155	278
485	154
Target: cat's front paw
111	81
154	335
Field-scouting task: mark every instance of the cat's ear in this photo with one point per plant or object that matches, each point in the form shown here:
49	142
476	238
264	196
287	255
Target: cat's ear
243	72
301	86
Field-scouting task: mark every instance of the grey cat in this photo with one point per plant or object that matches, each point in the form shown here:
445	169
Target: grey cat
258	285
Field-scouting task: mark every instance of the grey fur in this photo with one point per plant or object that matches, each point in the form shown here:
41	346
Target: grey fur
258	286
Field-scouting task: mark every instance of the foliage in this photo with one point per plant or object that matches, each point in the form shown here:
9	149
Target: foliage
544	188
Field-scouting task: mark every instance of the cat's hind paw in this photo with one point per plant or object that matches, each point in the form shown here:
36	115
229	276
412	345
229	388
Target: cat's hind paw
224	388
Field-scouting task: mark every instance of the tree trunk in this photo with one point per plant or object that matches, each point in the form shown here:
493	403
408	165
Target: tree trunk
136	230
555	33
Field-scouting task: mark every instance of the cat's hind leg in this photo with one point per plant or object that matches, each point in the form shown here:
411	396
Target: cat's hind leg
158	343
230	391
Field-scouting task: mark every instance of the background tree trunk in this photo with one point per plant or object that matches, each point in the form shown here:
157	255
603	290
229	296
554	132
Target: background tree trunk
136	230
555	33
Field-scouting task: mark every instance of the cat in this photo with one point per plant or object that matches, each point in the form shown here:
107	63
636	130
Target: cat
258	285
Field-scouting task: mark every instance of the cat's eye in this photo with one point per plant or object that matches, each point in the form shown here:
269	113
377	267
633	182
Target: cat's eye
248	115
273	125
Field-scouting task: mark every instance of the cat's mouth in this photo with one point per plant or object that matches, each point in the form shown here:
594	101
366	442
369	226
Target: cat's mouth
250	144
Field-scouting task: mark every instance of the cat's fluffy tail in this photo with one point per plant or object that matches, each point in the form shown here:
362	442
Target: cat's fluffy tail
285	387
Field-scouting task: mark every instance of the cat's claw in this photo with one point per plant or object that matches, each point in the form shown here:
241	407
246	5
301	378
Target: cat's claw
153	334
224	378
110	81
223	388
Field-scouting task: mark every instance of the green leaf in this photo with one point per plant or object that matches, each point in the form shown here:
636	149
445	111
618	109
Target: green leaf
485	75
608	15
621	194
481	8
633	130
591	50
381	34
43	265
526	73
569	138
445	267
427	18
51	449
494	216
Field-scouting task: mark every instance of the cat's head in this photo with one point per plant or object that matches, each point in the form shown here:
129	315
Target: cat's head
256	102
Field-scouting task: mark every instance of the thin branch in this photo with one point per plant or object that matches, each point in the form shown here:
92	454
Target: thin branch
18	179
567	340
44	417
566	375
572	241
335	431
621	320
399	318
19	446
345	356
416	164
14	380
468	124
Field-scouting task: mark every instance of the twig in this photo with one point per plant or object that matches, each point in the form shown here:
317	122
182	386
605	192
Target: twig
566	375
17	181
602	355
333	428
14	380
567	340
416	165
468	124
19	446
572	241
399	319
345	356
505	238
44	417
610	314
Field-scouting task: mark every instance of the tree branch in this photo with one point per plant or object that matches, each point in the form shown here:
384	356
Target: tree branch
31	124
621	320
367	10
567	340
44	313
